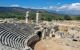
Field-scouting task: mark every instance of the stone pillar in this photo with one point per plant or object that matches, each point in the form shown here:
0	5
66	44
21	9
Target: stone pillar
47	33
27	15
37	17
43	34
53	30
50	35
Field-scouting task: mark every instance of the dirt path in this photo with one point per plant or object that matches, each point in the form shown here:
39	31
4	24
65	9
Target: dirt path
52	45
40	46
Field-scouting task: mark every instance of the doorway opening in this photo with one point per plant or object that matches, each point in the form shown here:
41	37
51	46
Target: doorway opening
39	33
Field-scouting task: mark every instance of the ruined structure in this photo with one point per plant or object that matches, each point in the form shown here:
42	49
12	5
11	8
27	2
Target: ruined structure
23	36
18	36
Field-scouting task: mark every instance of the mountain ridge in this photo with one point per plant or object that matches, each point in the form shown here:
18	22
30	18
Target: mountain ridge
19	12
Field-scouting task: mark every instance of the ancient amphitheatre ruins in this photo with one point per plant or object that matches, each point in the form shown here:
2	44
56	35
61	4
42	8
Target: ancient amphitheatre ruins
54	35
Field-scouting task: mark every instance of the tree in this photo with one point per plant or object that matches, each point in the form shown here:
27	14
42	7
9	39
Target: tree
78	18
67	17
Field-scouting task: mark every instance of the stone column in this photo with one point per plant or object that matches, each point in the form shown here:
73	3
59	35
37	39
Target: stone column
50	35
53	30
37	17
47	33
43	34
27	15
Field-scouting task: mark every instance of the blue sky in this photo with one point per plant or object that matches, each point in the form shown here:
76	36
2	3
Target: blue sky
36	3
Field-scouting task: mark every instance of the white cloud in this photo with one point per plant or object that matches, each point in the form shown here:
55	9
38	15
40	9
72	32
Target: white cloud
73	6
73	9
15	5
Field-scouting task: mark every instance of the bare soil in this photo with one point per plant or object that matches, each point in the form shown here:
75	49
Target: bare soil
54	44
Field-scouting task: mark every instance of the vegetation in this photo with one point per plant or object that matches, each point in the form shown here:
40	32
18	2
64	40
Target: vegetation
19	13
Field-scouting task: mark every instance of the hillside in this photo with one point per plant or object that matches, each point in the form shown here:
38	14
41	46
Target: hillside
19	13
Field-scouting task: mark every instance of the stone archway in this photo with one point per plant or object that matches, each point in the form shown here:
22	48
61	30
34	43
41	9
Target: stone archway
39	33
